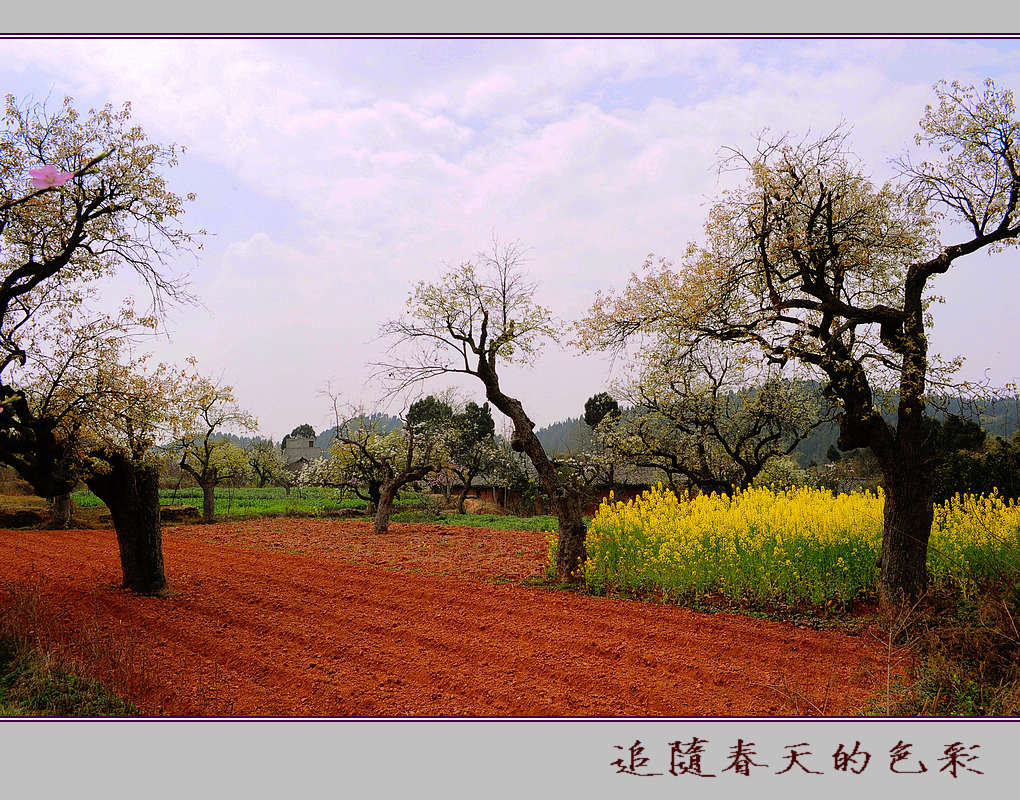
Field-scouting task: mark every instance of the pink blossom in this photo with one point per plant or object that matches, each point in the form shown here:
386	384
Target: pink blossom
48	176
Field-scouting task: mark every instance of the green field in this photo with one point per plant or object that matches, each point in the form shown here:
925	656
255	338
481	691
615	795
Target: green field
316	501
248	502
495	522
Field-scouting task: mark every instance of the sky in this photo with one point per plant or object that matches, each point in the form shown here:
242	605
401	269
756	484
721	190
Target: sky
333	175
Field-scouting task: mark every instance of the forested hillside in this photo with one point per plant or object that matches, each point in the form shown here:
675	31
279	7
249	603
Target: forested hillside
999	417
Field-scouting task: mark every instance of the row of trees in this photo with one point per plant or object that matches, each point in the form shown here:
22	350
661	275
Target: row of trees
807	266
77	404
807	269
435	438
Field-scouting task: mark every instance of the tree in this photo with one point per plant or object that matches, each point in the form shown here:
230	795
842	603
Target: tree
206	456
510	473
304	431
430	416
103	205
711	420
84	412
968	463
472	446
266	462
816	265
955	433
114	209
479	316
598	407
39	430
374	465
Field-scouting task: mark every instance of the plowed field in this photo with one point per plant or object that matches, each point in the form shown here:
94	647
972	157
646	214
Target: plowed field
323	618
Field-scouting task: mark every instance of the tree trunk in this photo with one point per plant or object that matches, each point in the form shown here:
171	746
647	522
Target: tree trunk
570	549
62	512
461	498
463	492
208	502
908	515
131	492
373	497
384	506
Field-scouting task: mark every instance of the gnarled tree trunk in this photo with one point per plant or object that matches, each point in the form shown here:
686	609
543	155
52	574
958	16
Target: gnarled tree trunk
208	502
62	512
909	511
386	493
570	549
131	492
384	505
374	492
464	490
907	471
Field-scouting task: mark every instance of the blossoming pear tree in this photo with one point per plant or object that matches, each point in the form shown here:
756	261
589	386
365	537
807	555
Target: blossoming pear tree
815	264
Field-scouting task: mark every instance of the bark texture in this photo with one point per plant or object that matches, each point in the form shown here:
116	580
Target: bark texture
570	549
208	502
908	513
62	510
384	507
131	492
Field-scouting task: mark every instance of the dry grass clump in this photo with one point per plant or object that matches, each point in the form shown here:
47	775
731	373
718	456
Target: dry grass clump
970	652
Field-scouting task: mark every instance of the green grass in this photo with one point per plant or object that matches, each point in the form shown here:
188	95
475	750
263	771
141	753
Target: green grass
248	502
253	502
32	685
491	521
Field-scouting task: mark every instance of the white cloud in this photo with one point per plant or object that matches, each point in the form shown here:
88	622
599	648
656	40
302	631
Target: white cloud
362	167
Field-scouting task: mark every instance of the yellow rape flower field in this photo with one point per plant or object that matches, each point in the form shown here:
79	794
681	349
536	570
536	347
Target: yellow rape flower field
799	545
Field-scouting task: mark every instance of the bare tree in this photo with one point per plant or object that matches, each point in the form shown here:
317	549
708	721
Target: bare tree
474	318
86	412
114	209
205	455
103	206
710	419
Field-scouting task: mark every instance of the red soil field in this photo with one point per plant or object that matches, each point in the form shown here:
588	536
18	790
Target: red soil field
285	617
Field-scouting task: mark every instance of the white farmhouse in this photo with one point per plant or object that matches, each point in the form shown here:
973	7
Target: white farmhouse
300	448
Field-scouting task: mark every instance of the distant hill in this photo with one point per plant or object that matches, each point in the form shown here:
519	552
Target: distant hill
385	422
998	417
568	436
240	441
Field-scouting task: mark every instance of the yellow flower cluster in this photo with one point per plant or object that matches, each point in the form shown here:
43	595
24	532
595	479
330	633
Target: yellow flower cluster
972	537
797	544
